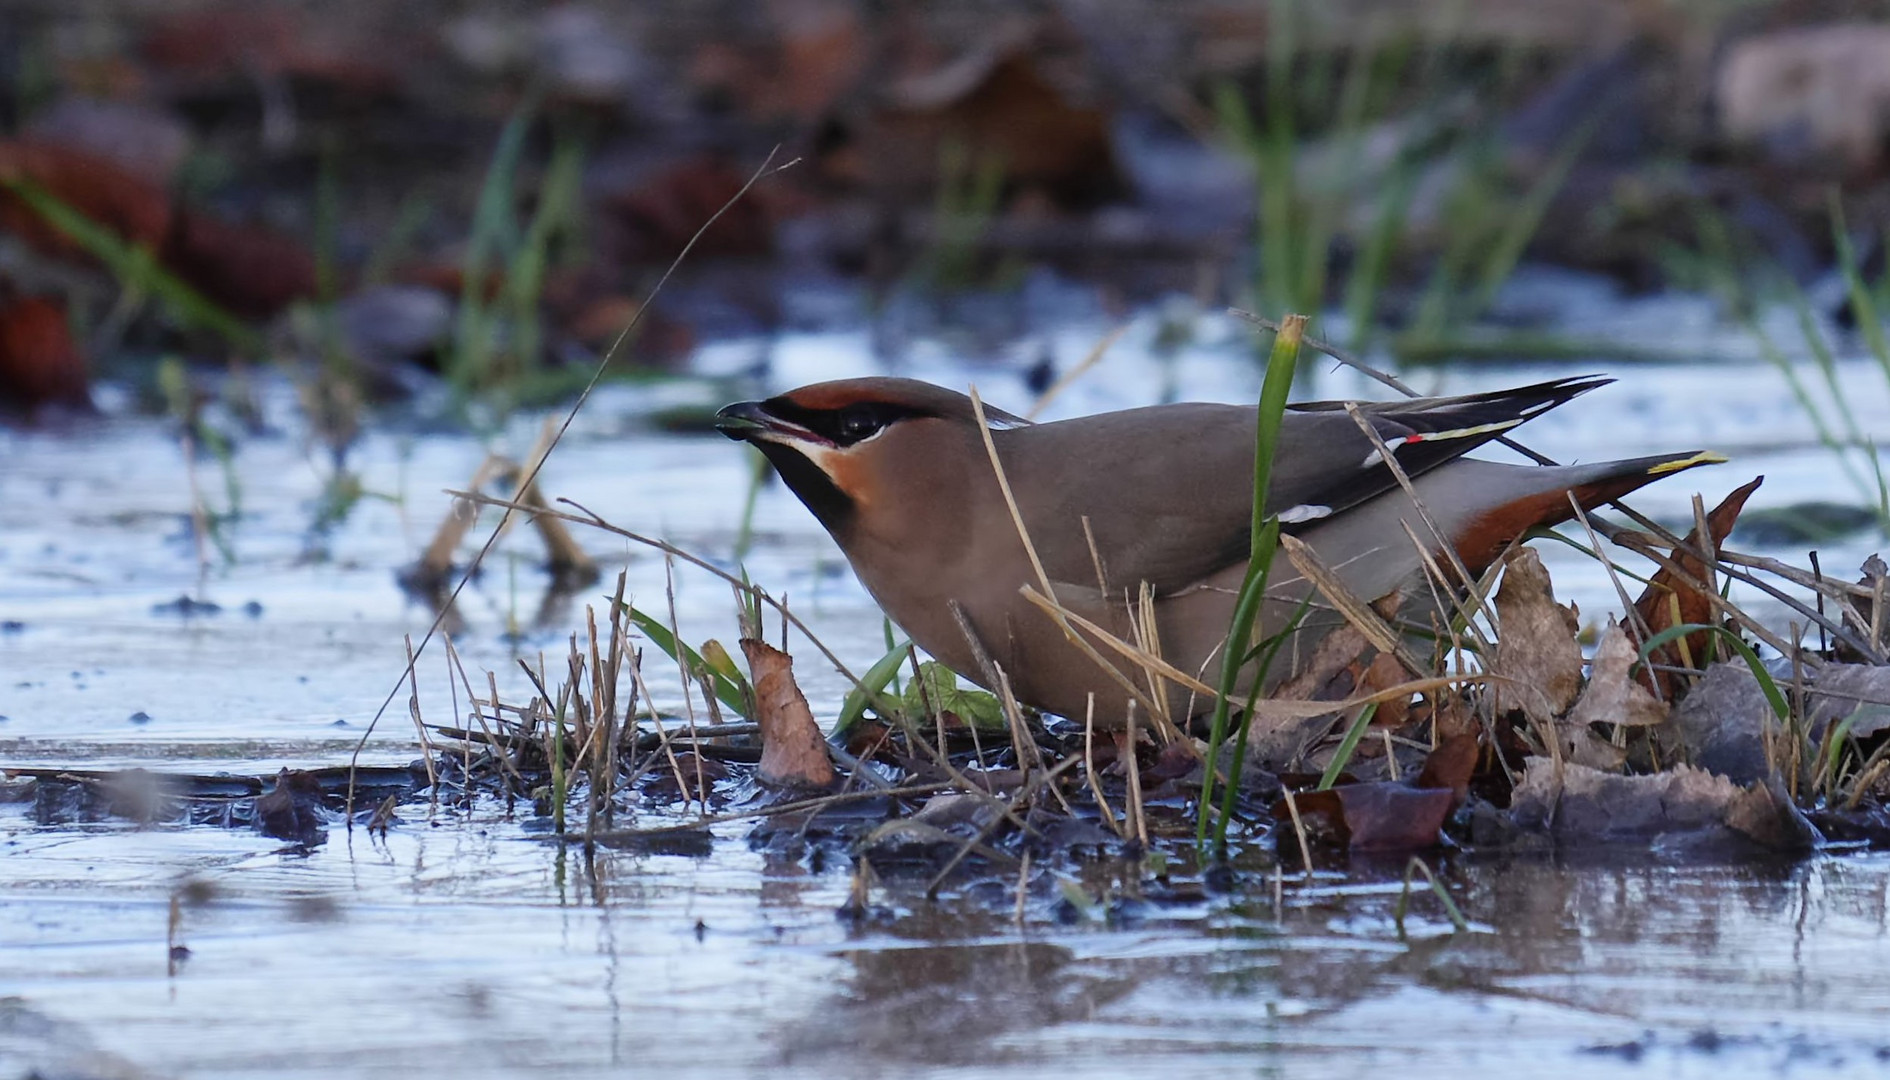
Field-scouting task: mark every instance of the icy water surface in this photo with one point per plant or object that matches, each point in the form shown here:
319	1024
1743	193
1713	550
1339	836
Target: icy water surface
469	946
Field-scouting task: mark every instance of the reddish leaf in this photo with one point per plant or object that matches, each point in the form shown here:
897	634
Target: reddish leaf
128	205
1379	816
251	271
793	753
996	105
1451	765
1656	604
662	214
40	364
1175	761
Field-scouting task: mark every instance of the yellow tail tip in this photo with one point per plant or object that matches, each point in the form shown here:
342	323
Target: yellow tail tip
1704	457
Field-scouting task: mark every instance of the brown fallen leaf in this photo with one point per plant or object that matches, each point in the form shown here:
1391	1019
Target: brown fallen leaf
251	271
1665	593
1277	745
1579	805
793	753
292	809
1611	697
995	104
1382	674
1451	765
128	205
40	364
1377	816
1536	652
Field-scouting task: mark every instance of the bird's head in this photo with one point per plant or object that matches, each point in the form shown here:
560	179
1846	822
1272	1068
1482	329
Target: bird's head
858	445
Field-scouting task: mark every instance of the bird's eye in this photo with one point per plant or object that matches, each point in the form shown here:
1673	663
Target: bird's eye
859	423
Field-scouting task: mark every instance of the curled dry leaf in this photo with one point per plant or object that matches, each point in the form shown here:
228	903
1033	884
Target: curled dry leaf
1611	697
793	753
1666	595
1537	657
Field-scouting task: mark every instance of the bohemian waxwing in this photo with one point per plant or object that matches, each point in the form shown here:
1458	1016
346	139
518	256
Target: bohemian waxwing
898	472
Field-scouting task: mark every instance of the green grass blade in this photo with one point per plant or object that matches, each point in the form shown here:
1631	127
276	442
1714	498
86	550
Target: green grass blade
1863	304
135	267
1767	684
1347	747
1282	364
493	236
731	692
872	689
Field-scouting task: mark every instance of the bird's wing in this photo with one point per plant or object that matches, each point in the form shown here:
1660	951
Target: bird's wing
1167	490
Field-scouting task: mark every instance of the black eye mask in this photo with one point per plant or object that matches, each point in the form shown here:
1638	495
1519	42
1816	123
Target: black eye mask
846	425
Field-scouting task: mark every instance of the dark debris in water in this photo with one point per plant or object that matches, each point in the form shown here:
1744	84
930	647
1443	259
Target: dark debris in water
294	805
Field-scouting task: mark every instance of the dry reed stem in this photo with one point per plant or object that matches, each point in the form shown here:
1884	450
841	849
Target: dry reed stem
664	746
420	728
1299	832
1023	889
1132	806
1356	611
1147	660
1089	770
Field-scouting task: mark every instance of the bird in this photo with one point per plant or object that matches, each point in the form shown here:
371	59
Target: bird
1142	520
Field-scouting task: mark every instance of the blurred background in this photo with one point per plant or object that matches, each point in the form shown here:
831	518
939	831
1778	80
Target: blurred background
274	274
386	198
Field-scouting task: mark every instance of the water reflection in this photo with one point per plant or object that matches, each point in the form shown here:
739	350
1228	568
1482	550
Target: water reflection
476	949
1599	964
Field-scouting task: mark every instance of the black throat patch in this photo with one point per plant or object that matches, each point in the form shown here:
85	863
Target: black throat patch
833	507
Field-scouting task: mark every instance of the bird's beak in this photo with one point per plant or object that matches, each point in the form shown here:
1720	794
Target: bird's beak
750	421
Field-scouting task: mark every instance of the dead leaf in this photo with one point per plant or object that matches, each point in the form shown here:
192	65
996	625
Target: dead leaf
251	271
1579	805
128	205
792	749
998	107
1721	724
1536	652
1384	673
1377	816
1665	592
1451	765
40	364
292	809
1611	697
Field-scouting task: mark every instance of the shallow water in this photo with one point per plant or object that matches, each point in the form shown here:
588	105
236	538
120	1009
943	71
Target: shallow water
471	946
471	949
